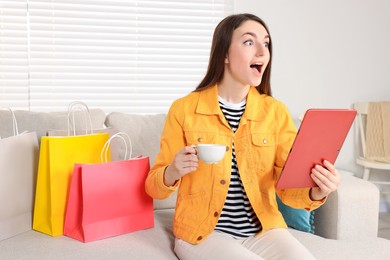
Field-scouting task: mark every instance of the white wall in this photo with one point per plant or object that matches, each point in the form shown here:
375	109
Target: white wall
328	54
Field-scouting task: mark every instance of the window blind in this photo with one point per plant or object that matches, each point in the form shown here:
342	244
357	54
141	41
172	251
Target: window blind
118	55
14	88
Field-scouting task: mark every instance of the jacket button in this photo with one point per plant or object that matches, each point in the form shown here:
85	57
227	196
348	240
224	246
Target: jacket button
216	214
223	182
200	139
227	148
199	238
265	141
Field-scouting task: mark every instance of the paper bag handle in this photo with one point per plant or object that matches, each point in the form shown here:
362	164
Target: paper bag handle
14	122
126	140
79	106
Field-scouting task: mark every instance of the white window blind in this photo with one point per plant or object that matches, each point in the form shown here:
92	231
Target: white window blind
118	55
14	88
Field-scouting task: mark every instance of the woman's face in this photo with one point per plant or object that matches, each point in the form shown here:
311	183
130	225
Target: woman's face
248	54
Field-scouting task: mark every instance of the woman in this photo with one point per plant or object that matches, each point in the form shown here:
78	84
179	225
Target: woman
229	209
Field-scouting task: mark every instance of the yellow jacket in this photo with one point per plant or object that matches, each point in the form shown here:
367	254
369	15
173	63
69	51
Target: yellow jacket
262	142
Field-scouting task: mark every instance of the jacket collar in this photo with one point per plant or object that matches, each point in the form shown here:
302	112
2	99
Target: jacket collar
208	103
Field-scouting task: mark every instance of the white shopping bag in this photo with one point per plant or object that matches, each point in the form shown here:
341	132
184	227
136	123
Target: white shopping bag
18	169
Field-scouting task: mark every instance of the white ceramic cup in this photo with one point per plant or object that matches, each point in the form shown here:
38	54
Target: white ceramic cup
211	153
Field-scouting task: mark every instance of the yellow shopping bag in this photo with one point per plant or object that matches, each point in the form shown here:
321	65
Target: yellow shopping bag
56	162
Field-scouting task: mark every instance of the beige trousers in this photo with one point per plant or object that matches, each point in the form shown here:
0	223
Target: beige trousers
273	244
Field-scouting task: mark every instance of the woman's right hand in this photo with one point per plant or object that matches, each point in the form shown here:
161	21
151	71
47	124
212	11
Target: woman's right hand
185	161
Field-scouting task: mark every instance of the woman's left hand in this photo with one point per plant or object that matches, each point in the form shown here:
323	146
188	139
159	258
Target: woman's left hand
327	178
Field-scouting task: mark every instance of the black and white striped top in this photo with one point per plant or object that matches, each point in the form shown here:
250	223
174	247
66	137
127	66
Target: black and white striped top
237	217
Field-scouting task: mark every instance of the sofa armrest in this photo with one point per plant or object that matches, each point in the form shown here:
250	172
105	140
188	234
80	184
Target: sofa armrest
350	212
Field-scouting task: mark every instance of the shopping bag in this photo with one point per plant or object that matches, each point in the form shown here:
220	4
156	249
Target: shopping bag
80	123
56	162
57	157
18	169
108	199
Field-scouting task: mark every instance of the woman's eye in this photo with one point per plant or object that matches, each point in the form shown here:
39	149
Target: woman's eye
266	44
248	43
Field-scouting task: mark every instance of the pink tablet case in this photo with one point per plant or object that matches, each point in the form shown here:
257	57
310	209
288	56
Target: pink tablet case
320	136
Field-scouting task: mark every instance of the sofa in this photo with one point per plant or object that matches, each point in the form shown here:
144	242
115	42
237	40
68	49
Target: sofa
346	225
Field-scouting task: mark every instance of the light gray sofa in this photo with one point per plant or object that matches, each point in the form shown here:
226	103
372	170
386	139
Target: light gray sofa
345	226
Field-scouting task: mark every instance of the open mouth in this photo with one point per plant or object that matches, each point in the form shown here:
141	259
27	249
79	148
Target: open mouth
257	66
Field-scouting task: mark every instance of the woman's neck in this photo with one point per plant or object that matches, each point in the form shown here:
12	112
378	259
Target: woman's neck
233	93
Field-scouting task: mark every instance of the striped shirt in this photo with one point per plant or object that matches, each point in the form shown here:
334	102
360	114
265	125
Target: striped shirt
237	217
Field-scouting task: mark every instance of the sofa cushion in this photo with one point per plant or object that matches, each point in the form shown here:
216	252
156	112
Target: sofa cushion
41	122
151	243
143	130
361	247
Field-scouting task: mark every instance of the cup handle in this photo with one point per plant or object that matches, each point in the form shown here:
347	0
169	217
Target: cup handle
195	148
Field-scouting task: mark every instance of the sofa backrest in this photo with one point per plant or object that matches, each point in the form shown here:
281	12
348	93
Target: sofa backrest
41	122
143	130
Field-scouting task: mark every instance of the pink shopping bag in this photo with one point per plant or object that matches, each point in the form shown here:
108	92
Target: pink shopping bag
108	199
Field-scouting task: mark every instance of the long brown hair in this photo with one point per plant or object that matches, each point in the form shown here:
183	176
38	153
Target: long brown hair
220	46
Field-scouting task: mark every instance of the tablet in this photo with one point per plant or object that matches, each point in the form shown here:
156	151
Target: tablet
320	137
